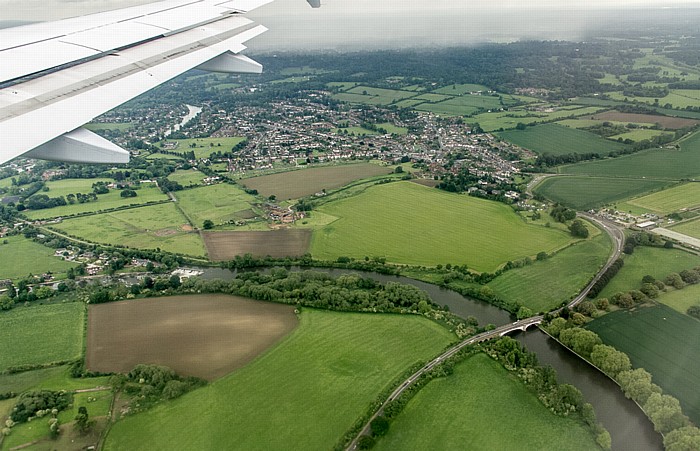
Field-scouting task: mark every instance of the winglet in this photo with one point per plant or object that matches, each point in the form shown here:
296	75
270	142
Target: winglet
314	3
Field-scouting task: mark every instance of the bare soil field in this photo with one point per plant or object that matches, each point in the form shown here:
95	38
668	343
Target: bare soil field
207	336
667	122
223	246
426	182
305	182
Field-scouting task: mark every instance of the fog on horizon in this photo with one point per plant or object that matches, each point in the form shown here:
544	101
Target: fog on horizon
389	24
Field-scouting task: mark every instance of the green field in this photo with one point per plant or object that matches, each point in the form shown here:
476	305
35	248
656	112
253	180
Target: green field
656	262
460	412
670	200
654	163
303	394
187	177
557	140
58	188
690	228
219	203
510	119
157	226
147	193
373	96
21	257
583	193
429	97
463	105
544	285
391	128
639	134
359	131
204	147
413	224
41	334
681	300
458	90
662	341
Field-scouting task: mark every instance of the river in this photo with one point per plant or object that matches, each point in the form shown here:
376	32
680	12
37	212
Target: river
193	111
629	428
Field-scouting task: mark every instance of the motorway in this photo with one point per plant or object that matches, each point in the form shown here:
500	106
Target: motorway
616	235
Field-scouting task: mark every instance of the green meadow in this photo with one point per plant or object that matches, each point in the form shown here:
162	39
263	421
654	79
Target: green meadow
557	140
306	392
20	257
218	203
413	224
461	411
669	200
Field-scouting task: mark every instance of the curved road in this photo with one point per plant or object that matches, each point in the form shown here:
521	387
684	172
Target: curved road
618	238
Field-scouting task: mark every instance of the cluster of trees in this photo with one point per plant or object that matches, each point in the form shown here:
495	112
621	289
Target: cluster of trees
562	214
605	278
166	185
578	229
42	201
664	411
150	384
29	403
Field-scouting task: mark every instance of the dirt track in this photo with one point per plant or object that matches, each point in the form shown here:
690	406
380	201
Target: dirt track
204	335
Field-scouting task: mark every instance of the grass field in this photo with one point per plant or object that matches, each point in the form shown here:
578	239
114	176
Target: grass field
651	261
187	177
662	341
203	147
391	128
449	414
65	187
157	226
670	200
147	193
665	121
41	334
324	375
557	140
546	284
215	334
458	90
305	182
681	300
223	246
463	105
510	119
583	193
690	228
668	164
219	203
640	134
413	224
21	257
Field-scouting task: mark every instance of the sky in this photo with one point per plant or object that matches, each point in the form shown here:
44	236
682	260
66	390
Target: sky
372	24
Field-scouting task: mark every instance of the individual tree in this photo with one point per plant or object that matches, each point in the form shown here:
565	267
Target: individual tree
665	412
379	426
82	420
683	439
578	229
637	385
674	280
174	281
208	224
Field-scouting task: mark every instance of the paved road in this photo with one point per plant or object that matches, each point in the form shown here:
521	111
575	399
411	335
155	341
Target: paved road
618	240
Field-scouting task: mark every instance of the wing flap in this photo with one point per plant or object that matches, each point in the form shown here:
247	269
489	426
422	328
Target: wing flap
80	146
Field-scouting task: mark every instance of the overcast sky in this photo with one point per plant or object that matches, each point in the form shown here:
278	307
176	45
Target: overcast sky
390	23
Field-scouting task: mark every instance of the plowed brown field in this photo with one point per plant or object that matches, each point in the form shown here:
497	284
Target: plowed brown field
223	246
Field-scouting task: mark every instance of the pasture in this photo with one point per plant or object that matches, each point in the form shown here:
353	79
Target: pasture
681	300
204	147
509	119
324	374
218	203
157	226
666	122
305	182
187	177
690	228
662	341
544	285
669	200
464	105
21	257
656	262
41	334
449	414
582	193
639	134
557	140
145	194
224	246
64	187
207	336
458	90
668	164
413	224
391	128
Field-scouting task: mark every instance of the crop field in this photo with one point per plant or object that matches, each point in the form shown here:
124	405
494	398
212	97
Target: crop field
665	121
147	193
668	164
305	182
579	123
157	226
41	334
640	135
458	90
187	177
583	193
223	246
557	140
21	257
325	374
218	203
655	262
544	285
409	223
670	200
662	341
207	336
203	147
690	228
460	411
681	300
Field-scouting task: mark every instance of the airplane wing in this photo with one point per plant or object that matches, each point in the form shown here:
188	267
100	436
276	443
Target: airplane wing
57	76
